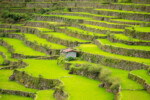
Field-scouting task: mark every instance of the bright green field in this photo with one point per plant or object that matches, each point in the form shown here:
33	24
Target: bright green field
126	83
21	48
40	29
72	83
127	38
1	59
11	85
78	30
41	41
102	28
134	95
65	37
124	46
45	95
143	74
140	29
94	49
49	22
13	97
125	20
122	11
70	17
7	54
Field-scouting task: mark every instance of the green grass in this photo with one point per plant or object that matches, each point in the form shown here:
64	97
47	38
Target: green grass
13	97
45	95
134	4
41	41
94	49
40	29
126	83
49	22
86	13
102	28
143	74
7	29
124	46
50	69
1	59
21	48
123	11
81	88
6	53
74	29
76	86
69	17
127	38
65	37
125	20
140	29
134	95
11	85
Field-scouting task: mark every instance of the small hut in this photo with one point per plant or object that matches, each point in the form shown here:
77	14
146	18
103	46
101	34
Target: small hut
70	53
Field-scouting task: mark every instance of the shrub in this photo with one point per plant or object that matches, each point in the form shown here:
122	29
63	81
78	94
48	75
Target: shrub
105	75
70	58
94	68
115	84
15	16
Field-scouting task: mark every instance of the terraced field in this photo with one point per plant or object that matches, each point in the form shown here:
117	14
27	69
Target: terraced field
111	39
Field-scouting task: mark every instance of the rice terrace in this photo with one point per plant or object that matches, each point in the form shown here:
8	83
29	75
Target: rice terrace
74	49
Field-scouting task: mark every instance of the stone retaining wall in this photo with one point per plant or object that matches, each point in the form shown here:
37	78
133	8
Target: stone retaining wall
130	16
112	39
140	81
77	34
19	93
138	35
123	51
113	62
62	41
34	82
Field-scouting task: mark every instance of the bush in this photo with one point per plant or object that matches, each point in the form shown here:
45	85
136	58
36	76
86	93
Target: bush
115	84
70	58
105	75
15	16
94	68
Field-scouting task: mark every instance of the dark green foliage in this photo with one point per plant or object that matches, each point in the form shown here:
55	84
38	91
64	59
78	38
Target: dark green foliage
15	16
70	58
27	0
105	75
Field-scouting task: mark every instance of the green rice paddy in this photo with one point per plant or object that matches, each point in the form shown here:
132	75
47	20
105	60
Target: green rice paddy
45	95
102	28
1	59
123	11
72	83
126	83
75	17
41	41
94	49
81	31
21	48
65	37
6	53
13	97
134	95
124	46
126	38
142	74
11	85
